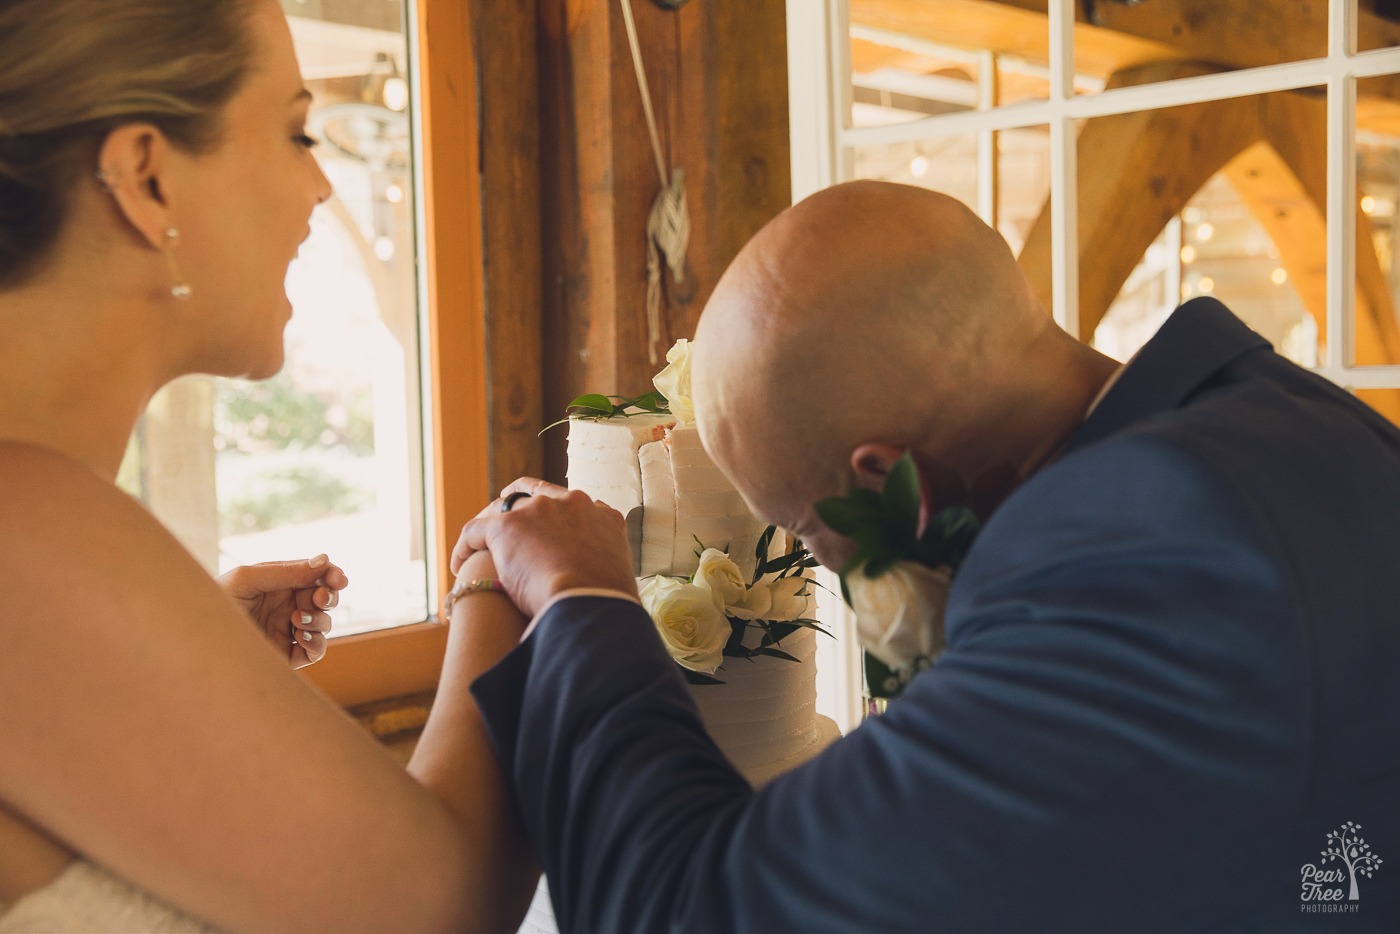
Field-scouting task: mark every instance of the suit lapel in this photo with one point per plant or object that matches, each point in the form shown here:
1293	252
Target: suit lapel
1197	341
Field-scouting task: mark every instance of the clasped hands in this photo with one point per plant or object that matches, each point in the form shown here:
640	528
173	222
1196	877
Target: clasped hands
553	541
287	601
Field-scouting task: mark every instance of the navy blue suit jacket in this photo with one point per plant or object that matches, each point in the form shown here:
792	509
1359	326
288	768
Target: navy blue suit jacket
1173	666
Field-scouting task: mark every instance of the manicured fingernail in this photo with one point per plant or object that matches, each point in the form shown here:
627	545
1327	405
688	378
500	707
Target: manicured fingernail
306	619
318	561
306	637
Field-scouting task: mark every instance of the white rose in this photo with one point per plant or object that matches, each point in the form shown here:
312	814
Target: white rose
899	615
754	603
674	383
718	573
691	625
791	599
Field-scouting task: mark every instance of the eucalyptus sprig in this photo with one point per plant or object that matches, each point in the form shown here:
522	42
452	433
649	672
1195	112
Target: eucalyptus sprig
596	405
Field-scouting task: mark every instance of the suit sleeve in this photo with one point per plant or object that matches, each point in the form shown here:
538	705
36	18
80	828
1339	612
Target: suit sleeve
1106	744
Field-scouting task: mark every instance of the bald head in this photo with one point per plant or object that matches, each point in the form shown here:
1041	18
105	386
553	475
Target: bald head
868	313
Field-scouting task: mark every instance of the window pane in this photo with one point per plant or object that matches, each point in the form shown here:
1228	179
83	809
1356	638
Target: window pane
947	164
1018	162
1376	329
1253	235
909	60
328	455
1377	24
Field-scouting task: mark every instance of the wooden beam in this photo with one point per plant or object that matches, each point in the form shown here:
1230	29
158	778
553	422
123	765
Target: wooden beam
1227	35
1136	171
1008	27
510	222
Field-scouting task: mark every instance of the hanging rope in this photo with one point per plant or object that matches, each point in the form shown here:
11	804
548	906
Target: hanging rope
668	224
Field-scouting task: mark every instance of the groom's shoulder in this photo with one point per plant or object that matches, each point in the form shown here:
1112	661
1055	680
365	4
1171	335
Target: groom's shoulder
1294	478
1151	478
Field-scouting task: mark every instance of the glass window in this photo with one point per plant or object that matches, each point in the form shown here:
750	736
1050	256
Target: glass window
1253	235
328	455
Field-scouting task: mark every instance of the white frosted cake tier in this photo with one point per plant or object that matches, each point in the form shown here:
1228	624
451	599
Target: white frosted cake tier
765	712
659	477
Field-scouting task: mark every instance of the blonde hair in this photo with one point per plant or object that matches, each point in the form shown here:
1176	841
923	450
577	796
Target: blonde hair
73	70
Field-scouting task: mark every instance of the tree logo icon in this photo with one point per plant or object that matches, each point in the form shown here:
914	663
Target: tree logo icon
1346	844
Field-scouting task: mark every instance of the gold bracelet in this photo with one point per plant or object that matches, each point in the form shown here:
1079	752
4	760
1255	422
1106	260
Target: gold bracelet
464	587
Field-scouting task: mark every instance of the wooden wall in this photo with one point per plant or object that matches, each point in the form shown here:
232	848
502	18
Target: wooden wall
568	179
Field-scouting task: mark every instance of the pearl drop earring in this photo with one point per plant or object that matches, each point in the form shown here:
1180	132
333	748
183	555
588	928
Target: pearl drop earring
181	289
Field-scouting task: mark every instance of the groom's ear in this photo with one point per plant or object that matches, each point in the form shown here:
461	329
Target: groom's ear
870	462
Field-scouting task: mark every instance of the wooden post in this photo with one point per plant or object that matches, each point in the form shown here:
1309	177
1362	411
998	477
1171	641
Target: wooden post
510	223
718	76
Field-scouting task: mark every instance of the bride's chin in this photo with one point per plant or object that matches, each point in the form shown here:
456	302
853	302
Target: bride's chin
268	368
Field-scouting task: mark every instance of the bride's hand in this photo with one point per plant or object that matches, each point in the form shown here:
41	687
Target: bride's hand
287	601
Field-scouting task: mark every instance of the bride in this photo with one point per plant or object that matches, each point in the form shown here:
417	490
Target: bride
160	767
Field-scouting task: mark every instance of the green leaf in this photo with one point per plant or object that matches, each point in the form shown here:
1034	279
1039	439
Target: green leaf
695	677
839	514
652	401
880	680
949	537
851	566
900	500
781	563
562	421
812	624
760	552
877	566
591	403
735	646
774	653
844	514
777	632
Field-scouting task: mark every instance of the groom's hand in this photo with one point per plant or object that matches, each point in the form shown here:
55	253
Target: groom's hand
552	541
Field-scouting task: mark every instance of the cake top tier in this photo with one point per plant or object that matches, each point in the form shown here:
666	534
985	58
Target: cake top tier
676	501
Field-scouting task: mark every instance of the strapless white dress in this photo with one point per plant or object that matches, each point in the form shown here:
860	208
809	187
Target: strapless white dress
89	899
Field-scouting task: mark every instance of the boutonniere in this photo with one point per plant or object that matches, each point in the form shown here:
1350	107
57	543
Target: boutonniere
897	581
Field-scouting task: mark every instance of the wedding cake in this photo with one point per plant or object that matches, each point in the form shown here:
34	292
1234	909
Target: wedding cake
677	502
698	552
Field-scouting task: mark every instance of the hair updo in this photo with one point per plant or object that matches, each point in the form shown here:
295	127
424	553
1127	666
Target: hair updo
73	70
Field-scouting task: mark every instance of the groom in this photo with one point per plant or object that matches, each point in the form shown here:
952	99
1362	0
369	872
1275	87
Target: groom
1173	653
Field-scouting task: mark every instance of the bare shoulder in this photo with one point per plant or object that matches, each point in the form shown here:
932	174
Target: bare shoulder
61	520
145	724
39	482
22	462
